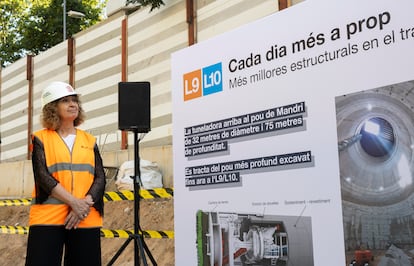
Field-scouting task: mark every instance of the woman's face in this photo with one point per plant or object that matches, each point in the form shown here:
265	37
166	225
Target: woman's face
68	107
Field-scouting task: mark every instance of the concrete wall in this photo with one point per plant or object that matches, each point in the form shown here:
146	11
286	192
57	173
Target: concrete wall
161	155
17	177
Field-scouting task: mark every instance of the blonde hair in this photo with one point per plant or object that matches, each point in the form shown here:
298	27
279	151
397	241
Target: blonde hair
50	118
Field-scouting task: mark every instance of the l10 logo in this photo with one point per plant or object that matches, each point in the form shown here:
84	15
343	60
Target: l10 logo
203	82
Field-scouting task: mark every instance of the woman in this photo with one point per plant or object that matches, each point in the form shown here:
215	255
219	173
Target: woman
67	207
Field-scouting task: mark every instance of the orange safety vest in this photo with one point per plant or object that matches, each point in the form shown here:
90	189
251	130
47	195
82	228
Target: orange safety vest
73	170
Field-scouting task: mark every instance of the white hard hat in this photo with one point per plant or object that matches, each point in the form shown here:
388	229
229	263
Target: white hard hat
56	90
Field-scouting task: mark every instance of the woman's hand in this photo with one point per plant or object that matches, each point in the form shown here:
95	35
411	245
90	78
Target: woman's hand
80	207
89	200
72	220
82	211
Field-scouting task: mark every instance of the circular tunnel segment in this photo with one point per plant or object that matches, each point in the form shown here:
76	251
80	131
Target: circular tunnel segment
375	143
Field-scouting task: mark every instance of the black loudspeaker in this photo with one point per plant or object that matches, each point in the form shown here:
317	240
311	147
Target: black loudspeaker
134	110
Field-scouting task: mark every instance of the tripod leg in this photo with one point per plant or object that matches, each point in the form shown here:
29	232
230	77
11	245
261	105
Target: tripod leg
145	250
138	242
144	245
114	258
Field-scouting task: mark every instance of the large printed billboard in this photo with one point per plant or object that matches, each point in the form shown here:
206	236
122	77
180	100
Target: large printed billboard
293	139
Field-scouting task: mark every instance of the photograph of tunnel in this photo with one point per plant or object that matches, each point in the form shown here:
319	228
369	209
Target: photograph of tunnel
375	145
229	239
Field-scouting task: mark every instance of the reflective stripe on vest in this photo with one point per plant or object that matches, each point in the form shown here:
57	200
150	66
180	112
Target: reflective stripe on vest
71	167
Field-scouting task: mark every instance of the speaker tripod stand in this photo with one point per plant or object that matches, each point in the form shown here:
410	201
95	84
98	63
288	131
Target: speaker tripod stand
140	247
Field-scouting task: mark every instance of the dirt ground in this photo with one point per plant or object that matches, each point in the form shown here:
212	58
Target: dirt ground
155	214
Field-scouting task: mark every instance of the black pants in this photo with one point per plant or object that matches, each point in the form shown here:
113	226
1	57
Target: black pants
46	244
